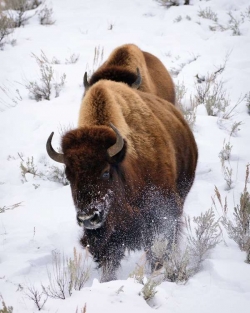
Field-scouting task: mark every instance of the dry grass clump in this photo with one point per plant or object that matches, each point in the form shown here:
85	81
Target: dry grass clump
5	309
238	228
97	60
65	276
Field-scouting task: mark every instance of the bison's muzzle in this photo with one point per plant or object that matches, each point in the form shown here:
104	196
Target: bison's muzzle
93	221
94	215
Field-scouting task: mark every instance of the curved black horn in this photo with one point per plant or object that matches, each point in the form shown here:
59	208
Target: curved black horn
117	147
58	157
85	81
138	81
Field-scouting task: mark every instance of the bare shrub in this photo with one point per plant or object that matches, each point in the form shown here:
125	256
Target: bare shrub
234	24
225	152
28	168
6	27
46	16
178	267
227	170
79	270
189	112
247	13
24	5
58	287
10	96
37	296
168	3
175	71
178	19
51	173
207	234
235	128
55	174
73	58
213	95
42	91
239	228
211	92
18	10
43	58
208	13
10	207
149	289
228	173
179	264
48	84
66	275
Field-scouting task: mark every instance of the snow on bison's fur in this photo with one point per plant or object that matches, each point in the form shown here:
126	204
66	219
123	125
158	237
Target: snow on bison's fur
131	163
126	62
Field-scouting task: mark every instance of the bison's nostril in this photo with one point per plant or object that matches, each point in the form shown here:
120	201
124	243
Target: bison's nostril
84	217
95	218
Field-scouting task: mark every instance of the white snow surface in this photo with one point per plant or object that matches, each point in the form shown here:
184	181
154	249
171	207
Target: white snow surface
45	221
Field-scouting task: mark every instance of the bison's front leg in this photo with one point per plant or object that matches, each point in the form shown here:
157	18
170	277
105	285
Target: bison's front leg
106	251
110	262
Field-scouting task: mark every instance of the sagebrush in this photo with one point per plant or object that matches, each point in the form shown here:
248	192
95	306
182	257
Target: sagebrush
179	264
66	275
49	85
238	228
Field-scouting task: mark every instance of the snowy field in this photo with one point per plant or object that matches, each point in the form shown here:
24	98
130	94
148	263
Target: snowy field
43	221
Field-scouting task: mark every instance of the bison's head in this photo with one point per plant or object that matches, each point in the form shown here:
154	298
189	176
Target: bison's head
114	73
92	157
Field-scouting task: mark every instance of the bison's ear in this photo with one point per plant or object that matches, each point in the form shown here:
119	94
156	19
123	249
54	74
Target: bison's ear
119	157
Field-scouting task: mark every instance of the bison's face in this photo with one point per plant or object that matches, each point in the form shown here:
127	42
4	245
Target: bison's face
92	159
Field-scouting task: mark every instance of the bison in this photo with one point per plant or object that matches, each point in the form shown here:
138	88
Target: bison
138	69
130	163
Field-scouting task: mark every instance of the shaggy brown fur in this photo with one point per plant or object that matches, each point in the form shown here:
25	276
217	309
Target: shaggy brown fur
138	193
121	67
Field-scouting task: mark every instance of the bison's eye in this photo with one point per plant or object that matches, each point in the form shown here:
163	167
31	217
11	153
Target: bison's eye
106	175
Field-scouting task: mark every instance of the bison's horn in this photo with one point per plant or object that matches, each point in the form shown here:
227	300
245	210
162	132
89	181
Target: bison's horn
58	157
117	147
137	83
85	81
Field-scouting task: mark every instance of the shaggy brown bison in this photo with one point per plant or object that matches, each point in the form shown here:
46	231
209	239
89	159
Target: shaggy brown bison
137	68
131	163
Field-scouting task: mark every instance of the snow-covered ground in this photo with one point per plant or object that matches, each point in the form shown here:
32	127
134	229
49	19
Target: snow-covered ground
45	220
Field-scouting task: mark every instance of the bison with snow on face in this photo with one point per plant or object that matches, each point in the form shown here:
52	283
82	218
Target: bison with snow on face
129	64
131	163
